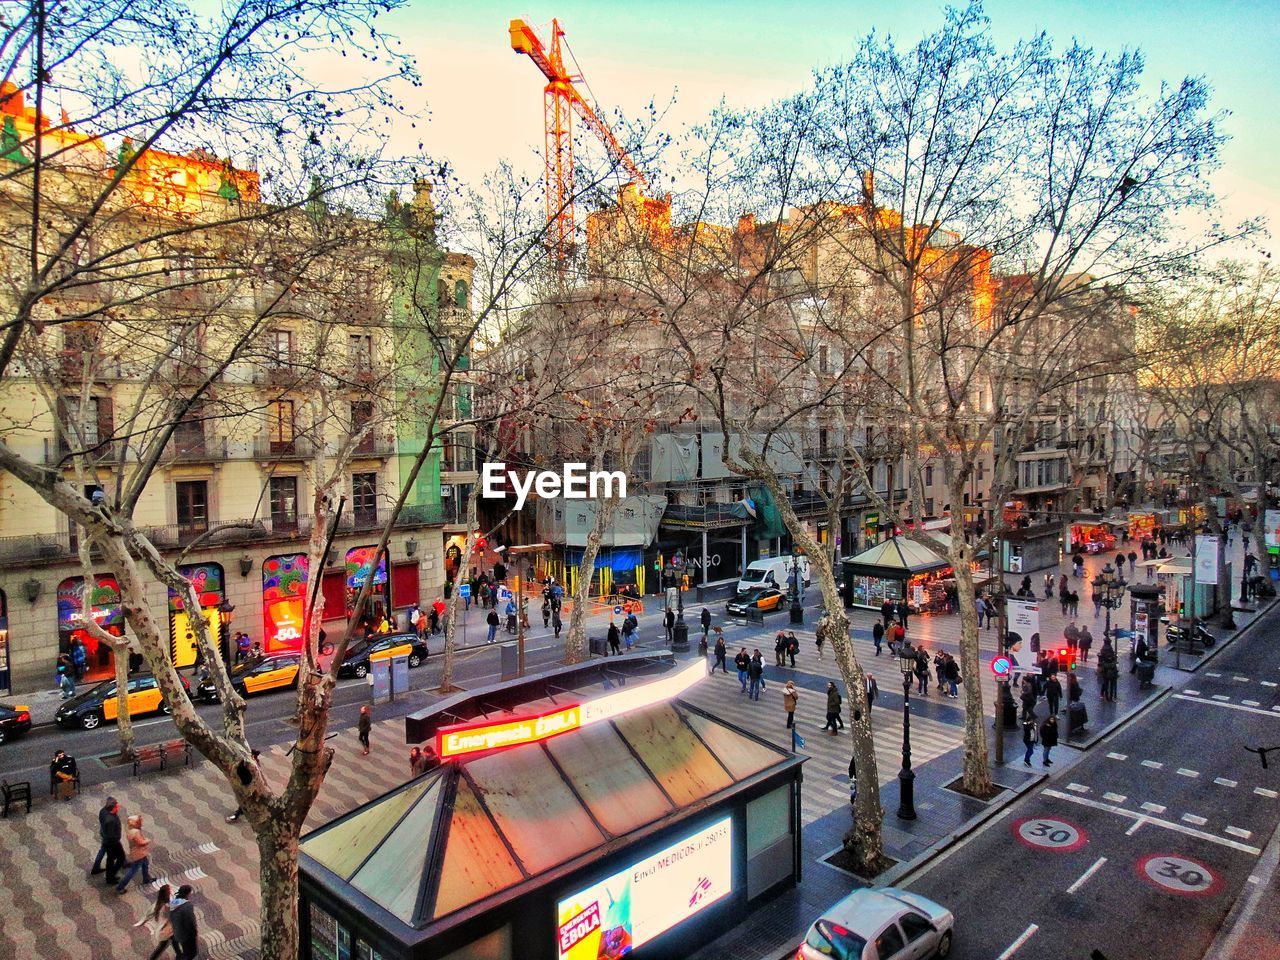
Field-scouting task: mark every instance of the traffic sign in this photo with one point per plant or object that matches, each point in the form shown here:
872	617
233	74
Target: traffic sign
1180	875
1000	667
617	611
464	591
1049	833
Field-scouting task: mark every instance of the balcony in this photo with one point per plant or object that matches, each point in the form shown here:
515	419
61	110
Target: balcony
58	454
296	449
197	450
374	448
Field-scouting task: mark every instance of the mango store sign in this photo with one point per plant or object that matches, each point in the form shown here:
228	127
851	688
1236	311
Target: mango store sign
463	739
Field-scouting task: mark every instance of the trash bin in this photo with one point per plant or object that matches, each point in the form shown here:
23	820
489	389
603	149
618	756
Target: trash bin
1146	673
598	646
680	635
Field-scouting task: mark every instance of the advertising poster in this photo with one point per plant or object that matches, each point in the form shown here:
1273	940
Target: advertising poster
632	907
1206	559
284	597
1024	620
1271	519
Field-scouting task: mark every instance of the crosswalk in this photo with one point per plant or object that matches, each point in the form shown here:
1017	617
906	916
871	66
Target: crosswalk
826	773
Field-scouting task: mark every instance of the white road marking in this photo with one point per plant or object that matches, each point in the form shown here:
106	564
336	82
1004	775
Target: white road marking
1115	797
1264	792
1117	756
1253	880
1208	674
1192	819
1224	782
1136	825
1192	693
1228	706
1267	683
1184	772
1010	950
1086	875
1251	703
1221	697
1154	807
1240	679
1078	787
1153	764
1167	824
1238	832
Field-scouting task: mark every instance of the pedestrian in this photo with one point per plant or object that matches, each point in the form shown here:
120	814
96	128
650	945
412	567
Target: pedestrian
755	674
1097	603
1138	654
903	612
139	858
67	686
1073	604
877	635
415	762
62	774
1028	697
706	622
793	647
720	652
555	622
899	637
819	641
492	621
853	781
1133	561
427	759
156	920
546	612
669	621
182	917
1086	642
79	659
615	639
743	662
873	691
109	848
1049	737
940	667
1108	670
922	671
780	649
438	608
1048	586
629	625
1030	736
790	697
984	610
886	612
1077	565
363	726
243	643
953	677
1120	563
834	701
1053	693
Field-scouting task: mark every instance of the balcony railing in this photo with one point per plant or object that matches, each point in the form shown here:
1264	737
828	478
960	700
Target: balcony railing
57	453
203	450
374	447
298	448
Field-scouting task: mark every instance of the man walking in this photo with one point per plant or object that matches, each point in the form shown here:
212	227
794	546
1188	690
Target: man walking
780	649
1049	737
139	858
492	620
1030	736
720	652
555	622
952	673
706	622
877	636
793	647
669	621
182	917
873	691
886	612
743	662
109	842
755	670
834	701
1053	693
363	727
615	639
903	612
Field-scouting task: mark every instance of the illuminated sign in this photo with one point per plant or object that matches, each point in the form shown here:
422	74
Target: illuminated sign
284	592
476	737
622	912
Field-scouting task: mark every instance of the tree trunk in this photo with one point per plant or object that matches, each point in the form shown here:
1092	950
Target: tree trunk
575	640
451	615
278	888
124	723
977	771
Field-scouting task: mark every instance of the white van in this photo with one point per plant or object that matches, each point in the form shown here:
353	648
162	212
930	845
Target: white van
772	572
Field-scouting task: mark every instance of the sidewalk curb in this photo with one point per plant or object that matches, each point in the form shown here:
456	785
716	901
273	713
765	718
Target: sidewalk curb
1228	641
1237	920
1094	739
904	872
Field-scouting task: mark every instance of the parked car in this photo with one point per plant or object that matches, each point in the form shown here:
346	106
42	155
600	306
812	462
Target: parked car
14	721
884	924
270	671
356	662
91	708
761	598
772	572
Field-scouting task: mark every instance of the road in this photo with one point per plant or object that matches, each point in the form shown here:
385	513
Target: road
1140	847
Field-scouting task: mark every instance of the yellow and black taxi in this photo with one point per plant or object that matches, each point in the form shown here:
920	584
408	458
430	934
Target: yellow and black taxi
100	703
270	671
14	721
356	662
762	599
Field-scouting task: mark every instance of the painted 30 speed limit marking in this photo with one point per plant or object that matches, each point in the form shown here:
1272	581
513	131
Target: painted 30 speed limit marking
1049	833
1177	874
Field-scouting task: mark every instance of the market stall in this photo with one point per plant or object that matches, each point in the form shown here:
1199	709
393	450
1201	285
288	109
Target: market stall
894	570
1092	536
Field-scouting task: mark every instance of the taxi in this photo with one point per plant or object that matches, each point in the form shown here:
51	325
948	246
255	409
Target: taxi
271	671
91	708
761	598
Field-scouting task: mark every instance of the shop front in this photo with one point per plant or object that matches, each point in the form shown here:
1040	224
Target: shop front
897	569
209	582
1092	536
547	836
102	603
284	598
4	644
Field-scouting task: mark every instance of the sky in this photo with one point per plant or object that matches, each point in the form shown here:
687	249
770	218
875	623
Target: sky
485	101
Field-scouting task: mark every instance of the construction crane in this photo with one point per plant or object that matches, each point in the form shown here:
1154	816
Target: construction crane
561	98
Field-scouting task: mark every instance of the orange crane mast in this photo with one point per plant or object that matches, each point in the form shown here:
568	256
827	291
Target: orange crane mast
560	100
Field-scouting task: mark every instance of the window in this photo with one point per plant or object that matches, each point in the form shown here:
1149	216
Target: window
193	505
460	294
280	426
824	359
360	352
284	503
928	507
279	347
188	436
93	427
364	498
928	476
832	940
915	926
889	943
462	401
361	417
981	466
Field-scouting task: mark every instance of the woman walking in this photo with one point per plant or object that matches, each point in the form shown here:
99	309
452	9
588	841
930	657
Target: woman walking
363	726
156	920
790	696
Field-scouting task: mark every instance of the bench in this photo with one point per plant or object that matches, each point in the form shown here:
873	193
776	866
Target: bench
15	793
54	781
161	754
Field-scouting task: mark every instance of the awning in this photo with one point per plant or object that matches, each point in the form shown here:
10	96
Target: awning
897	557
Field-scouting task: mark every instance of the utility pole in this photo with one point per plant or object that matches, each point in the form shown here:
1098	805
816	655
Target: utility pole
1002	631
533	548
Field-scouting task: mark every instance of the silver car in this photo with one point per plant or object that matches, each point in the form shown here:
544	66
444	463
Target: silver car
884	924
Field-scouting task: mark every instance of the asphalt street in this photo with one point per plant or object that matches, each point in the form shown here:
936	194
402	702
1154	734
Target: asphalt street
1139	848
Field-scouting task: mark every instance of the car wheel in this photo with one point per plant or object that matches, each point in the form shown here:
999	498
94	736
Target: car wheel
415	660
3	734
944	945
361	671
91	720
165	708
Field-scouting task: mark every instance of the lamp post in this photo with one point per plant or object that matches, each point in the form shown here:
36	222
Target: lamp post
534	548
797	610
906	779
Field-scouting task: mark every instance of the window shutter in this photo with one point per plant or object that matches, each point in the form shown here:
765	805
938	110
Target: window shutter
106	423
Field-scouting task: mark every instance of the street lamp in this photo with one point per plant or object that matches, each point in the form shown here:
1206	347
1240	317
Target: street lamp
797	610
906	779
1111	585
